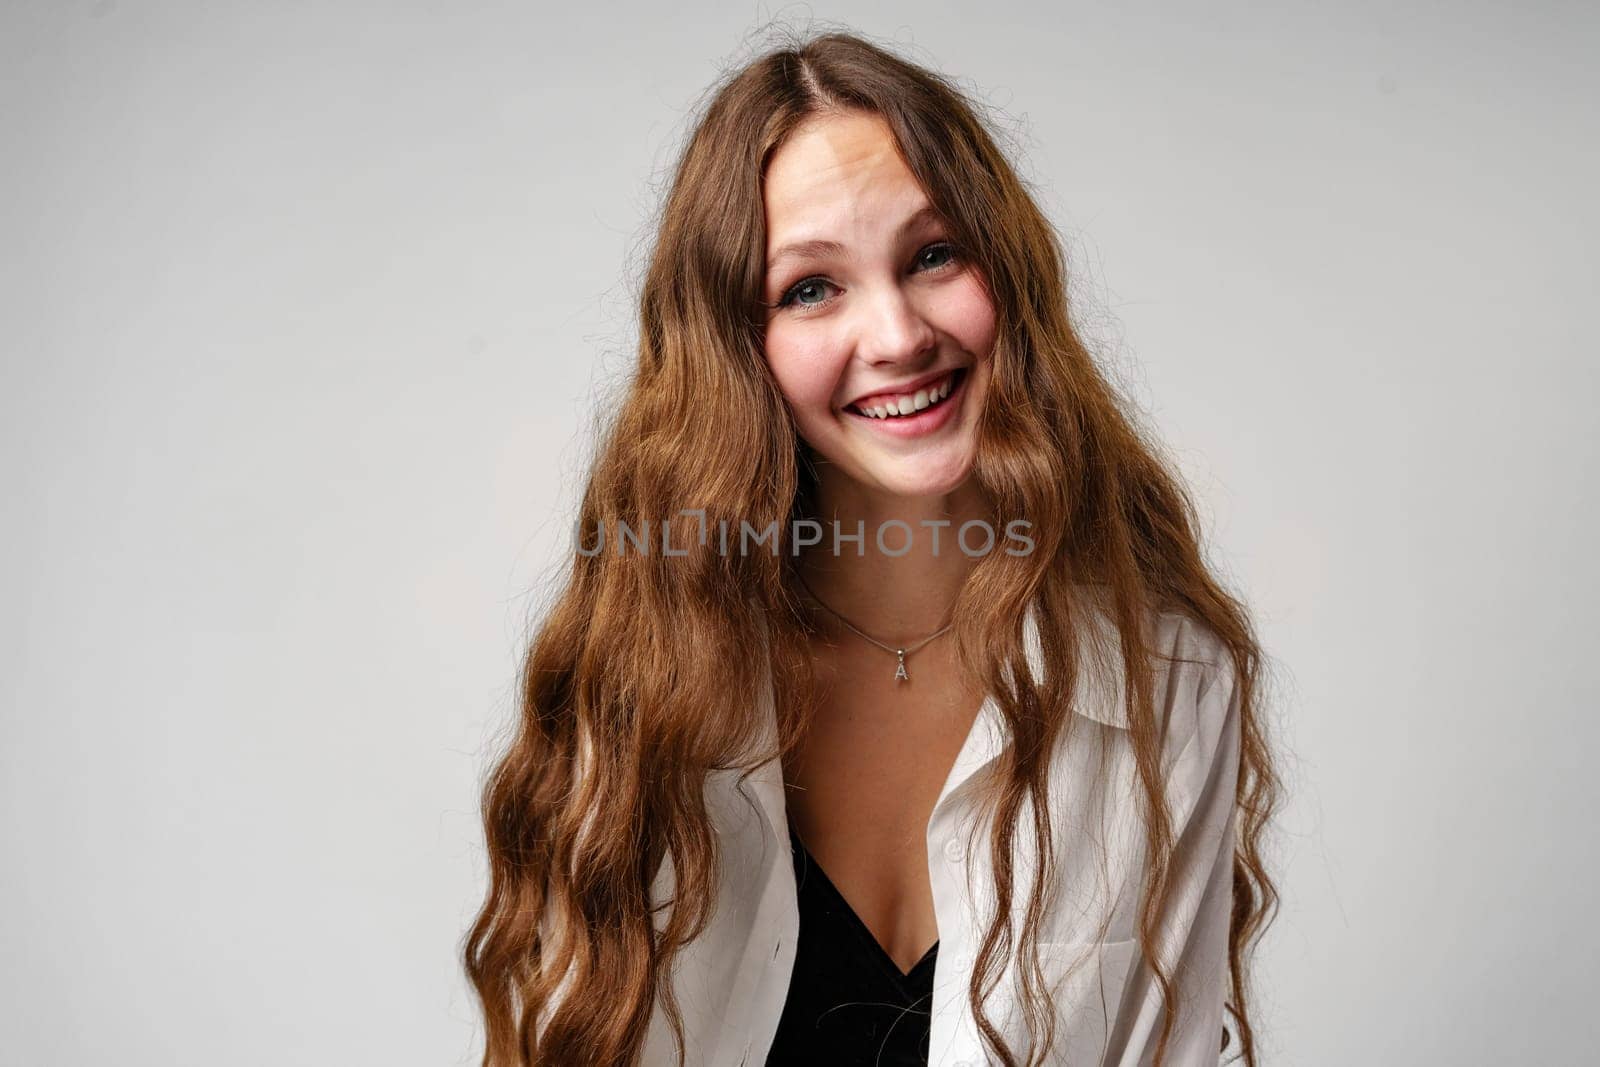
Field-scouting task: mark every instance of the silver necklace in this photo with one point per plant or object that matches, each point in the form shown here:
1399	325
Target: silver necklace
900	674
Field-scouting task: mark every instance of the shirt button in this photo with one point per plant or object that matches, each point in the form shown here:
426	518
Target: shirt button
954	852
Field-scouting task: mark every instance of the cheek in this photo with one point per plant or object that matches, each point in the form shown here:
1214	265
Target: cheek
803	369
968	316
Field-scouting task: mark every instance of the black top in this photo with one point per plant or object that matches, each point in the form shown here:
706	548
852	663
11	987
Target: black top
848	1003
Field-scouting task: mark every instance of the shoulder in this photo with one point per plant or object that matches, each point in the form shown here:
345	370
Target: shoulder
1184	646
1197	699
1189	666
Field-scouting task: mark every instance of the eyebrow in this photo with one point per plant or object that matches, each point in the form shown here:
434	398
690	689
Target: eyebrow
820	248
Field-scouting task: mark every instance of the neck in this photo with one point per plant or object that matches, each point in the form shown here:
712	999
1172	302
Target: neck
895	598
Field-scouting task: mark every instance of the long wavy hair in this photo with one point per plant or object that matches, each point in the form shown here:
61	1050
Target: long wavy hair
639	681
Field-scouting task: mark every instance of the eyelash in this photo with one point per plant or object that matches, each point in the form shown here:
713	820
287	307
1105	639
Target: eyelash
787	299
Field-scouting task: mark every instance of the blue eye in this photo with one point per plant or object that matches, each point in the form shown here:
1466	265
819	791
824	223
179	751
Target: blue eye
948	249
793	296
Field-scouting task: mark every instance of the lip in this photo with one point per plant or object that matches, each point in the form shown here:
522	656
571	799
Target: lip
926	421
907	387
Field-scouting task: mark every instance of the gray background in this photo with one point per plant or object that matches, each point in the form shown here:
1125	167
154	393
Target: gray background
305	311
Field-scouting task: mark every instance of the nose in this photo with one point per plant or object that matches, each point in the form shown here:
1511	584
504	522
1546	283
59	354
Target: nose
892	328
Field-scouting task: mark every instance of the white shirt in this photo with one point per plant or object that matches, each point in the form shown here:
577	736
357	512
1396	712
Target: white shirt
732	981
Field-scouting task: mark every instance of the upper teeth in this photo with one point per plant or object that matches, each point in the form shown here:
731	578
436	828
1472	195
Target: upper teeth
885	406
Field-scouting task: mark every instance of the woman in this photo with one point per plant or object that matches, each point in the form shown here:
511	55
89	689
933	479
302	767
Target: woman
852	792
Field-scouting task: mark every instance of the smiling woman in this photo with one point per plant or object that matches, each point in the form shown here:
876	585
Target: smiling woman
1039	846
884	306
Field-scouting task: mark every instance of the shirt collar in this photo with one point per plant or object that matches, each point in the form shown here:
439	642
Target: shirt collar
1098	694
1100	690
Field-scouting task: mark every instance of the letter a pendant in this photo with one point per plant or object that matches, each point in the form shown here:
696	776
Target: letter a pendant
900	674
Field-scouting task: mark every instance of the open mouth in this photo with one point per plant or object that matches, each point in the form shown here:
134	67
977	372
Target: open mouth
911	405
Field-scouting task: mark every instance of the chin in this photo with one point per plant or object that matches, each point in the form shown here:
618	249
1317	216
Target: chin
910	484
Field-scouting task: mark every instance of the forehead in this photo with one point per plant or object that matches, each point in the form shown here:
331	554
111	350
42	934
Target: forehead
835	170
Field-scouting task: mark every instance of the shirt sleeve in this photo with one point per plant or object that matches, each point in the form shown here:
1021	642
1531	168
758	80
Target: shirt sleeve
1193	940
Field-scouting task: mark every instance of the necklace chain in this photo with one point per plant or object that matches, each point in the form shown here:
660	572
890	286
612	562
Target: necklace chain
900	653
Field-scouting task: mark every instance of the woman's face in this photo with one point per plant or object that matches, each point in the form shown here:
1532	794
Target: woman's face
878	313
